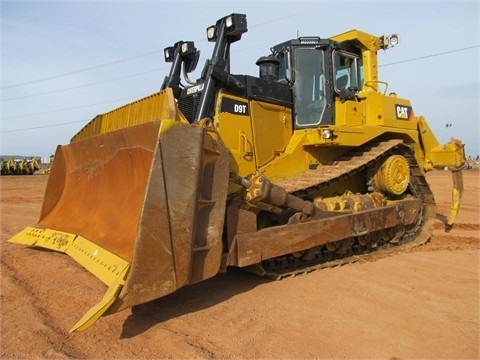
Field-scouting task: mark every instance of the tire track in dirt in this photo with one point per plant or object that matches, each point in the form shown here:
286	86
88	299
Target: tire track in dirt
56	339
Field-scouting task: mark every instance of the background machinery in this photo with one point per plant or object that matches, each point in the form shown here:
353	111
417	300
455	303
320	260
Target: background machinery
307	165
8	166
20	166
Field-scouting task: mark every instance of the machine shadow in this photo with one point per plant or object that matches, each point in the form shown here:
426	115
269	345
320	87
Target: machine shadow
190	299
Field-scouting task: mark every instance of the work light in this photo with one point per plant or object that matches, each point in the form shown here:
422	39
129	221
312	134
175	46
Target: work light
169	53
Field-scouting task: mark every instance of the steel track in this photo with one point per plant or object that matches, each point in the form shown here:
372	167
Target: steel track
350	165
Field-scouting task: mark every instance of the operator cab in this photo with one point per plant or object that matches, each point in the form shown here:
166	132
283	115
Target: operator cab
309	75
318	71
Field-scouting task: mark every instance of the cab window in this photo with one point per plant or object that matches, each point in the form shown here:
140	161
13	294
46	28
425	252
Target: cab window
309	87
348	72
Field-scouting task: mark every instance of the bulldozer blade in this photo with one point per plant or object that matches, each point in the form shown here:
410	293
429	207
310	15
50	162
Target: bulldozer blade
141	208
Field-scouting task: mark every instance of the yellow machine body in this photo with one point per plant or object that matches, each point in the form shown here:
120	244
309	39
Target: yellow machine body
149	199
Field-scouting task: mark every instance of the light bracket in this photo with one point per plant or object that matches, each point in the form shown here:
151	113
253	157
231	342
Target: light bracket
388	41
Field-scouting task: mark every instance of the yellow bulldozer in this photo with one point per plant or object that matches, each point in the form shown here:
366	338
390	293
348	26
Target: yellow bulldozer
309	164
8	166
32	166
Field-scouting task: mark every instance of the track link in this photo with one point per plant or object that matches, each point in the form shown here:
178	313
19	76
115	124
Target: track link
349	165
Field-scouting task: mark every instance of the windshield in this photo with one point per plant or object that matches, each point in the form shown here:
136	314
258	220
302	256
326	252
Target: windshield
309	87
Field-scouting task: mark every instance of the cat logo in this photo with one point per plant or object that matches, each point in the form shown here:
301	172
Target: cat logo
403	112
194	89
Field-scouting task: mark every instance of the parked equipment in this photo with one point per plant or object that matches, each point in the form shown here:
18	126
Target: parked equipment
8	167
20	166
310	164
32	166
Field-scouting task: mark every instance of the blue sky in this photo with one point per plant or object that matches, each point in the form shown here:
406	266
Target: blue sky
64	62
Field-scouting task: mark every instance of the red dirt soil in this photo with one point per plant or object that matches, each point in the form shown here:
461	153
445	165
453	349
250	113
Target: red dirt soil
420	303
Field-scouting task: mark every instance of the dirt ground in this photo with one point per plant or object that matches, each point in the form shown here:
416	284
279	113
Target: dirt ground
421	303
